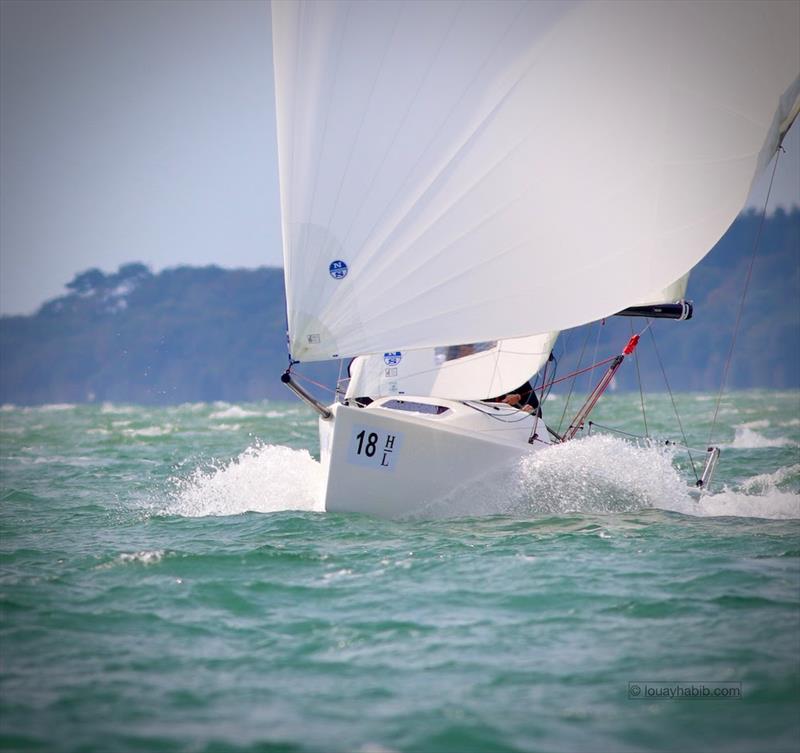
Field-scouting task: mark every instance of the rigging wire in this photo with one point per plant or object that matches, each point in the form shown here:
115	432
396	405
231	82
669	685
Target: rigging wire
572	386
666	442
749	275
339	380
305	378
672	399
615	431
639	379
577	373
545	388
589	382
537	411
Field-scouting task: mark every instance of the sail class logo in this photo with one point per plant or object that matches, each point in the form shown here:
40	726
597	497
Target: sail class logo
338	269
392	359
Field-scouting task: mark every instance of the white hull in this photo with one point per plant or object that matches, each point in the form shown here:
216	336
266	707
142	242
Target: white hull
392	463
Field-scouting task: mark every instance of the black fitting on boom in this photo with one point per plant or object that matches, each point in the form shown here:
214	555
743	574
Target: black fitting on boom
681	311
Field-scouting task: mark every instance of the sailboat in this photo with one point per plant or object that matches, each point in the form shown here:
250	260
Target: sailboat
461	181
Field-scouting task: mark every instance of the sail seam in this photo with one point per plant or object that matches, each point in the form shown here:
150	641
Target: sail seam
400	125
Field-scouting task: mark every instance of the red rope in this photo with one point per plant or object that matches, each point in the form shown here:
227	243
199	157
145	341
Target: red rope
578	373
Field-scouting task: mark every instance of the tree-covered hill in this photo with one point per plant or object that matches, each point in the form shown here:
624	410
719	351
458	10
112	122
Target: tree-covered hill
202	334
186	334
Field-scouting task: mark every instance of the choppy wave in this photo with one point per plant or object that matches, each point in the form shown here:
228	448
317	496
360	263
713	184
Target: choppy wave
606	474
117	609
280	414
746	438
110	408
597	474
145	557
265	478
54	407
772	505
234	411
759	423
192	407
762	483
761	496
150	431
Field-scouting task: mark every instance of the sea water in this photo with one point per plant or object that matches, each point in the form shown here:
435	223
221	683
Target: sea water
170	583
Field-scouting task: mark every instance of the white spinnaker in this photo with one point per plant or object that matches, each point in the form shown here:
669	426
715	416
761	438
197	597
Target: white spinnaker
670	294
463	159
487	373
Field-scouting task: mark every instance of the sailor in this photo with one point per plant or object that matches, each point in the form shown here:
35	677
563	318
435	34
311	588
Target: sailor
523	398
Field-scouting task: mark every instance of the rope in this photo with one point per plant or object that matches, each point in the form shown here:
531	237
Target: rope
667	442
616	431
572	386
639	379
339	392
595	394
741	302
548	385
512	416
579	372
313	381
594	356
538	410
674	407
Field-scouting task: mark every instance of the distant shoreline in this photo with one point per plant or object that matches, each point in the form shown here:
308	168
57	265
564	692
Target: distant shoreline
204	334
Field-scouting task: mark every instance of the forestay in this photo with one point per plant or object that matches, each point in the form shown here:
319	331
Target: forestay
454	373
443	164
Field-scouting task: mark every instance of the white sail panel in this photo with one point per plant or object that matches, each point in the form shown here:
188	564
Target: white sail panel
670	294
443	164
433	372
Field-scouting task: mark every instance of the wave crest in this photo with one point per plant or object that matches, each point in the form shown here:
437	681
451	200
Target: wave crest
264	478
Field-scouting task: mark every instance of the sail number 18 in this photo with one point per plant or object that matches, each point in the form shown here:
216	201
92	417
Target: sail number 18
372	443
374	449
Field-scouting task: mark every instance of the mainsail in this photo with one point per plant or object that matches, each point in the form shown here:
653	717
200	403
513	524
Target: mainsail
462	172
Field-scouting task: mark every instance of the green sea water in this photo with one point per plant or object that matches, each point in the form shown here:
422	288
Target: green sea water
169	583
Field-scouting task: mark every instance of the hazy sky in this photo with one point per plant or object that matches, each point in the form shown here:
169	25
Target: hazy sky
133	131
143	131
